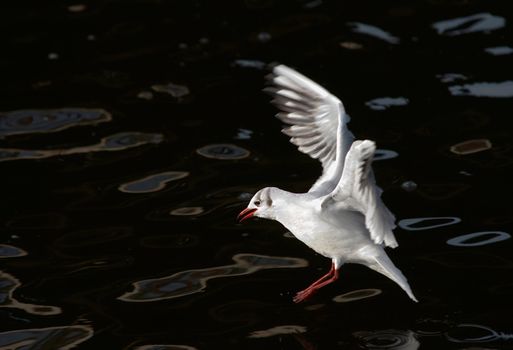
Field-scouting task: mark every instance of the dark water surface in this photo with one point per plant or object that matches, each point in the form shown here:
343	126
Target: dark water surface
132	133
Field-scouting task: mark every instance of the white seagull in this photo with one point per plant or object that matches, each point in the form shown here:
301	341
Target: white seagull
342	216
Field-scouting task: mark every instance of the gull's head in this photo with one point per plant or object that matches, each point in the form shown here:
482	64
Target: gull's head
261	205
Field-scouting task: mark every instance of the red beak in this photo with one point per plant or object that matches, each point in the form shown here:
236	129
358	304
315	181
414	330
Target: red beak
246	214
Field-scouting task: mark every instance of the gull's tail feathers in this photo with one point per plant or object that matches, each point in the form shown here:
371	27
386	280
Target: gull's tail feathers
385	266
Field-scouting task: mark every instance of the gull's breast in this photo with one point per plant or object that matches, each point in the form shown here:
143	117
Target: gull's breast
337	236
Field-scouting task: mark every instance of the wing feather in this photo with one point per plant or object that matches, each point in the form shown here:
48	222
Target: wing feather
317	122
357	185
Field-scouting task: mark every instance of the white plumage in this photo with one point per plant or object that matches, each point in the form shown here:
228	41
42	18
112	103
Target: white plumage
342	216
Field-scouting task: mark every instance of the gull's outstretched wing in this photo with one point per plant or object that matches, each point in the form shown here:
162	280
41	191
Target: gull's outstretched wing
358	189
317	122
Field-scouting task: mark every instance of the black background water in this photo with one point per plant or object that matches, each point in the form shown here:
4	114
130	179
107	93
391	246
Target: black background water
87	242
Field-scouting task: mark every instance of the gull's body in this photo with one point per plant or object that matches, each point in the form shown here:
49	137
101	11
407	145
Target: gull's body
342	216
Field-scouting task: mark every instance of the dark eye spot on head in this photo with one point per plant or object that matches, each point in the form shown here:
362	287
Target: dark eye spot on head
257	203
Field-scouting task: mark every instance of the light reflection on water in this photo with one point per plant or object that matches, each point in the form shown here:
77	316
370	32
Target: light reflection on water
420	224
467	333
374	31
475	333
382	154
503	89
471	146
480	22
164	347
223	151
486	237
357	295
32	121
193	281
388	339
175	90
499	50
116	142
187	211
451	77
9	251
278	330
152	183
62	338
8	284
382	103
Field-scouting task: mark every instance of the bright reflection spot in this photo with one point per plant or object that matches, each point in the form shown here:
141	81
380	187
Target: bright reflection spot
193	281
152	183
502	89
187	211
278	330
450	77
382	103
62	338
8	284
499	50
471	146
480	22
388	339
116	142
351	45
244	134
357	295
9	251
489	238
255	64
223	151
439	221
475	333
32	121
409	186
373	31
177	91
382	154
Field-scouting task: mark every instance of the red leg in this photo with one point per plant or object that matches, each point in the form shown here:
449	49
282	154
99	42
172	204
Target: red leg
330	277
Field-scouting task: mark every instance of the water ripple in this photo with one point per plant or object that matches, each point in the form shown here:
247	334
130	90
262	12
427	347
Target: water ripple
499	50
373	31
382	103
450	77
469	239
152	183
8	284
116	142
193	281
471	146
187	211
438	221
175	90
382	154
388	339
480	22
9	251
278	330
31	121
357	295
503	89
62	338
224	151
475	333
